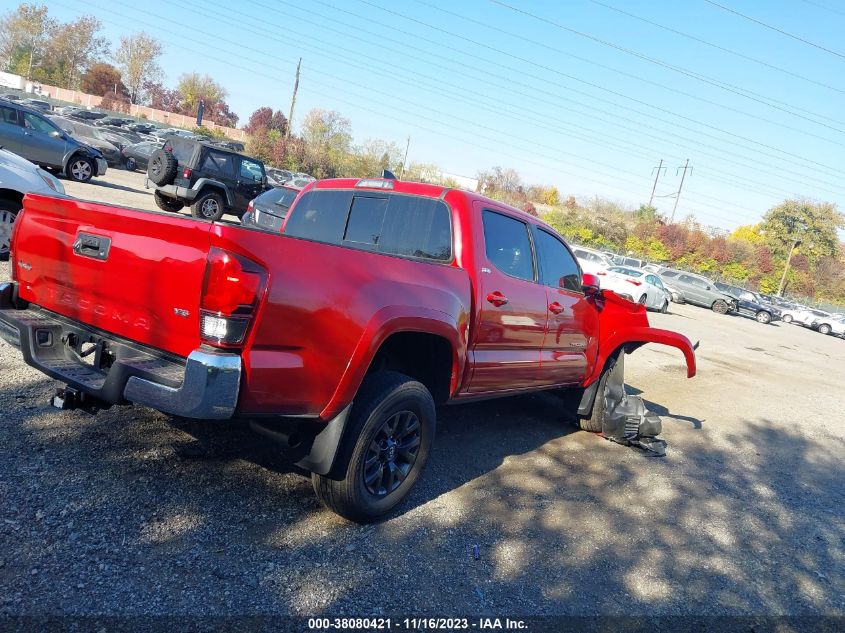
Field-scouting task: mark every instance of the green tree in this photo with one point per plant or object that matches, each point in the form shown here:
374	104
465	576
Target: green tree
813	223
23	34
71	50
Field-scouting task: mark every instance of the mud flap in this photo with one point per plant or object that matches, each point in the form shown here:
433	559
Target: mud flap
626	419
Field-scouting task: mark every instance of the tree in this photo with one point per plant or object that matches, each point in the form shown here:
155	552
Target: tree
814	224
137	58
71	49
102	78
23	33
195	88
264	119
328	138
161	98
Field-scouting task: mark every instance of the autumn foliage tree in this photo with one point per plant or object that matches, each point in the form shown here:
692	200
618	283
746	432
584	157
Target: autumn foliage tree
102	78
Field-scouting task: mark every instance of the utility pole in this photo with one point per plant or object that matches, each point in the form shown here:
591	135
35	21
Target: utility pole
293	99
795	245
656	176
405	160
678	197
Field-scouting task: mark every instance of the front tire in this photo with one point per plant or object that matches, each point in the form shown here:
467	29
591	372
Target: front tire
131	165
209	206
80	169
665	307
8	212
824	328
787	318
384	448
720	307
642	300
593	424
763	317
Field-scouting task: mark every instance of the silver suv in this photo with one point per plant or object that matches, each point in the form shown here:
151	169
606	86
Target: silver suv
698	290
30	134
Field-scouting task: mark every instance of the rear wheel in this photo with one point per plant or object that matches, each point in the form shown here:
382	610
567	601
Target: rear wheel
720	307
167	204
642	300
8	212
384	450
665	307
824	328
208	206
763	317
131	164
787	318
80	169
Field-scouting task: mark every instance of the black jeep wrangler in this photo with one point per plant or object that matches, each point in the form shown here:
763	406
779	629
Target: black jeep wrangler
212	179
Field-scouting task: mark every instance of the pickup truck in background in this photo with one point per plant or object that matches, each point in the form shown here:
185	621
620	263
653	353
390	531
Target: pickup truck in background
337	335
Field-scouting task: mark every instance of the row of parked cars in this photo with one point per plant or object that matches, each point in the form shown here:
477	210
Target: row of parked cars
655	286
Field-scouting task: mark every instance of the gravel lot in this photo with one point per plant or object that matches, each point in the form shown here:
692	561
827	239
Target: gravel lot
133	512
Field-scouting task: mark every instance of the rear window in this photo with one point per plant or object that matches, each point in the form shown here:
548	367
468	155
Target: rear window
277	196
393	224
8	115
669	273
218	164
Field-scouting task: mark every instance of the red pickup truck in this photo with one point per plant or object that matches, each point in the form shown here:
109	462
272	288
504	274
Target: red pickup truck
378	300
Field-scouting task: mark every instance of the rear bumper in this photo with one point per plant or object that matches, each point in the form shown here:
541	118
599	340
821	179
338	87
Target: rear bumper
204	385
172	191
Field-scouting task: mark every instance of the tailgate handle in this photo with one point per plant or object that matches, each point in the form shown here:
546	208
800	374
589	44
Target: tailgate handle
93	246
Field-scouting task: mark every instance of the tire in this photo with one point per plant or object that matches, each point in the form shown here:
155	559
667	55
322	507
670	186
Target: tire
642	300
665	307
208	206
594	422
356	488
824	328
720	307
131	165
80	169
763	317
161	169
787	318
8	212
167	204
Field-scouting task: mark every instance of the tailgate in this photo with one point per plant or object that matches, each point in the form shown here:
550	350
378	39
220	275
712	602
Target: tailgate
136	274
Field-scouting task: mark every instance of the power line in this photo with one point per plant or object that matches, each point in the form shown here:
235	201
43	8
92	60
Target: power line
451	136
822	6
721	48
774	28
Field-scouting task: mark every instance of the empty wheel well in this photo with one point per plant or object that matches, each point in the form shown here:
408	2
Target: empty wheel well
11	195
424	357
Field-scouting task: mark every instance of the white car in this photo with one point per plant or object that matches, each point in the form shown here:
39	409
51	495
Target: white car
591	261
808	316
637	285
831	324
18	177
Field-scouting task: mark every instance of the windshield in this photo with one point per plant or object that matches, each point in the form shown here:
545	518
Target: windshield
626	271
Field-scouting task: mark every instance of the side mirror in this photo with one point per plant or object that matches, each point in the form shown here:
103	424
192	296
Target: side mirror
590	284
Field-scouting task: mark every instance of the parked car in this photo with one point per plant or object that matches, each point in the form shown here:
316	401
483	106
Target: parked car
337	337
213	180
830	324
88	115
38	104
698	291
111	120
30	134
142	128
19	177
278	177
591	261
137	156
90	135
67	110
269	210
809	317
749	303
10	97
794	313
636	285
630	262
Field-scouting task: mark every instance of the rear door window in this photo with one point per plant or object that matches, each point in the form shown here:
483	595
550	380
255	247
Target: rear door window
8	115
557	267
218	164
507	245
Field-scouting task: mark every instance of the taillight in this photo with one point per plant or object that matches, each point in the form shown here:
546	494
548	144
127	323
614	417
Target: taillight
186	173
231	290
249	206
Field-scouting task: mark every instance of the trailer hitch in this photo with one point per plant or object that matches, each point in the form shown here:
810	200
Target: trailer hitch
68	399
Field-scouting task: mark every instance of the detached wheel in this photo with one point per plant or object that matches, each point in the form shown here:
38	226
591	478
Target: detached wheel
167	204
384	450
80	169
763	317
8	212
208	206
162	167
824	328
787	318
720	307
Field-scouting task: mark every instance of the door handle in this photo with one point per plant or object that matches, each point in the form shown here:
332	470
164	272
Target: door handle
555	308
497	298
92	246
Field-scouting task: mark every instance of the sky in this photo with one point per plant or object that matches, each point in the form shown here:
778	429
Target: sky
586	95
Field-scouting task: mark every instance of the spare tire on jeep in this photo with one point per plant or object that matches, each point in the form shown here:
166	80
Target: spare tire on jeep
162	167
